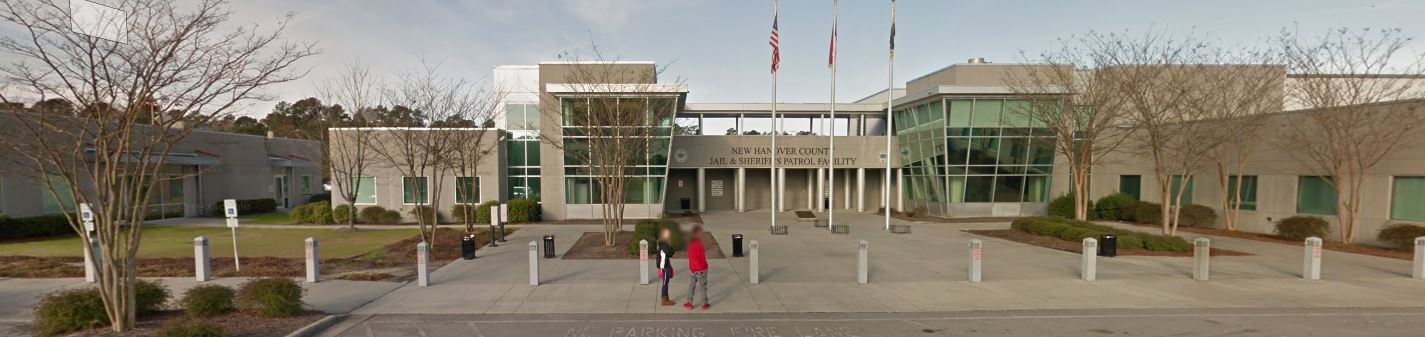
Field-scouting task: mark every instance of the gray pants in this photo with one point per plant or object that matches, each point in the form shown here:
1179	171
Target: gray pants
699	280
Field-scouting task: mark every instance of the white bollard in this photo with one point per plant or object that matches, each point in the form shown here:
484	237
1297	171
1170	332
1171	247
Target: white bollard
754	274
1090	264
423	264
314	273
643	261
976	253
1418	272
1201	255
200	259
534	263
91	260
1311	260
861	267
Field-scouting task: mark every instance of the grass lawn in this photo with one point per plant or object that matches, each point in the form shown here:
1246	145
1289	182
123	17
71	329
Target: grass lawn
177	241
274	218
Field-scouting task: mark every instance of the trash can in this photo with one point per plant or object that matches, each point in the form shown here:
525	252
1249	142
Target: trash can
548	246
467	246
1108	245
685	203
737	245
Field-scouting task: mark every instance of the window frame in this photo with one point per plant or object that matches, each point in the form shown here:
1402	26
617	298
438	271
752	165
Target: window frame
1233	181
1394	192
375	196
1299	180
426	181
458	188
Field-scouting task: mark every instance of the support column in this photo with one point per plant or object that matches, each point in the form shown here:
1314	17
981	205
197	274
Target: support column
811	196
702	195
781	190
741	200
861	190
816	198
900	194
846	191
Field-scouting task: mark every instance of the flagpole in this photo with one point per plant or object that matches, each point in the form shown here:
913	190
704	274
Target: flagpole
831	136
776	124
890	116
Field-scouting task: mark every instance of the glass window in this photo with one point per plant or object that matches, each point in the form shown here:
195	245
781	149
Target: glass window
1131	185
1009	189
578	190
306	184
1407	198
983	151
1179	188
57	196
514	153
634	191
514	117
979	188
986	112
365	190
174	195
959	113
467	190
1247	185
1315	195
414	190
1016	113
1036	189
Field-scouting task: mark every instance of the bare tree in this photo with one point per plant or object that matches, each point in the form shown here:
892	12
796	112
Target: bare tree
612	116
471	148
173	69
1343	77
347	153
1236	90
1075	103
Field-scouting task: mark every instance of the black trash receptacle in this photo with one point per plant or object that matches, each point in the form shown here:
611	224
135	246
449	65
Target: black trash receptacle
685	203
548	246
737	245
467	246
1108	245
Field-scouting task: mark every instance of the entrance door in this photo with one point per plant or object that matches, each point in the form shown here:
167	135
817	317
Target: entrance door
281	183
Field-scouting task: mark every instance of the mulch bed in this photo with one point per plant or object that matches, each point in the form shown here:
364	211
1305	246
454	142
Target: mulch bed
1329	245
590	246
234	324
1077	247
395	262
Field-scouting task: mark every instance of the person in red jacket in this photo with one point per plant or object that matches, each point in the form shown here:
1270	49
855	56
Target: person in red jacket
698	265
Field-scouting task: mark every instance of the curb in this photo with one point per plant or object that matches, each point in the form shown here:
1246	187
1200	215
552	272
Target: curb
317	327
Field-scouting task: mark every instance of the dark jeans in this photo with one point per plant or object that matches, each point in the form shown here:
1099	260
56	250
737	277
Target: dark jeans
665	284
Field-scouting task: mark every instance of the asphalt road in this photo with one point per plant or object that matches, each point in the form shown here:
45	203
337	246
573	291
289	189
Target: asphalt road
1097	323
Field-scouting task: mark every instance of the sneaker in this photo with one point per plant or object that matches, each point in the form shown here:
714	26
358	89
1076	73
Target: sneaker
688	305
706	306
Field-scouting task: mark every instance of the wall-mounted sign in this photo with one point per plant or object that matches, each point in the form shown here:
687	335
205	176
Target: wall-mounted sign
715	188
792	152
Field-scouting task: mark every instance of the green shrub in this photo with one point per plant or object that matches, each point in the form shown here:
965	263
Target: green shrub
1077	234
425	212
482	212
247	207
341	214
150	296
390	217
69	310
208	300
373	214
1052	229
648	230
1110	207
1196	216
319	213
1302	227
1163	243
1022	224
320	197
1148	213
1130	242
299	214
1400	236
525	210
189	328
270	297
1063	206
34	227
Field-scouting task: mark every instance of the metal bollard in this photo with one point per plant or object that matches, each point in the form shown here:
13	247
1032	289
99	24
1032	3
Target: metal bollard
754	274
1090	264
91	260
534	263
314	273
1418	272
976	248
643	261
1201	255
200	259
1311	260
423	264
861	262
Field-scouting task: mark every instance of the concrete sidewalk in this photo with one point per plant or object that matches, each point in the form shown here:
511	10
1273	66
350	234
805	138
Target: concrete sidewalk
812	270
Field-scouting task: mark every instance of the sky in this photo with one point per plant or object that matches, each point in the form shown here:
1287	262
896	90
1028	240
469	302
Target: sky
719	47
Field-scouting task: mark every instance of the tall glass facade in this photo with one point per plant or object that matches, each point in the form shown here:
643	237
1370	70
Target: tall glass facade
522	150
644	175
972	150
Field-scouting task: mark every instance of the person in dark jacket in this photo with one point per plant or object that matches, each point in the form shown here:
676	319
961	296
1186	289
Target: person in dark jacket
698	264
665	262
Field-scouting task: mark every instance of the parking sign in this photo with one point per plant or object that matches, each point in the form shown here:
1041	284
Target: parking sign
230	208
86	213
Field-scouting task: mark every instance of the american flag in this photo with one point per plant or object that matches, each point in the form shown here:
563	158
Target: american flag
831	56
893	28
776	44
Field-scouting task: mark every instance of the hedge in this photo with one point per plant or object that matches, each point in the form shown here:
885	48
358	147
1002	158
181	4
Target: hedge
270	297
372	214
1194	215
648	230
187	328
1302	227
1074	230
247	206
1111	207
1400	236
208	300
316	213
341	214
69	310
1148	213
524	210
34	227
1063	206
